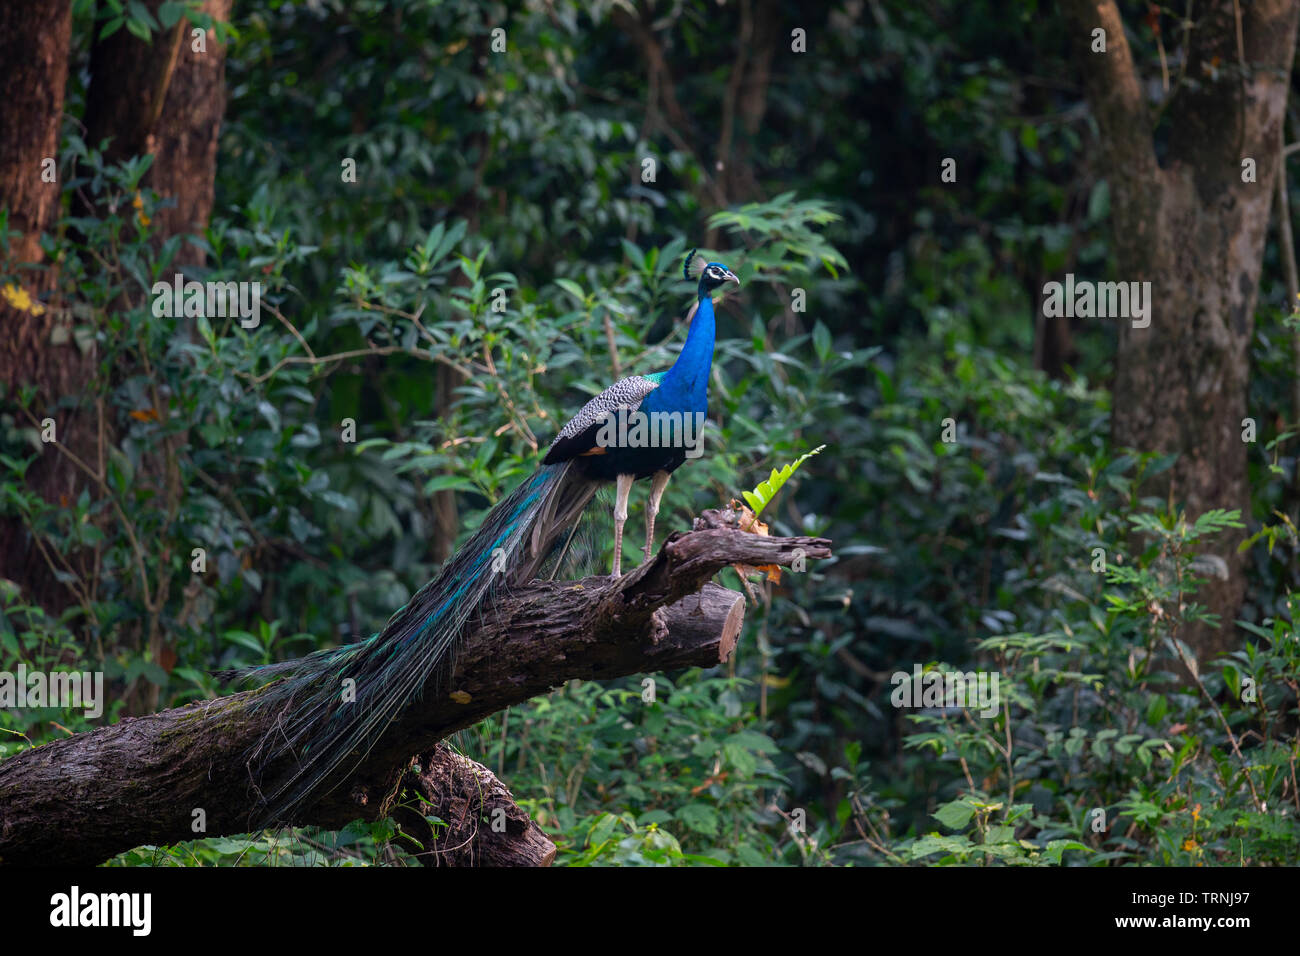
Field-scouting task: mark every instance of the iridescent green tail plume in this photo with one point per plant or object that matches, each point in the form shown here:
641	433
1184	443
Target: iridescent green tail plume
334	705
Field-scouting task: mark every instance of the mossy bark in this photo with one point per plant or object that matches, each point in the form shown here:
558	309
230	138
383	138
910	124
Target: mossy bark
1192	223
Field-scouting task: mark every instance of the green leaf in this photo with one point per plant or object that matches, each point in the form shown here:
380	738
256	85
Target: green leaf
571	287
447	483
955	815
853	752
138	28
170	12
761	496
700	817
602	830
245	640
822	341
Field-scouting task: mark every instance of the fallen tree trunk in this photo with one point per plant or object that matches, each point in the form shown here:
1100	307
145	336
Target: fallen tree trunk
484	825
147	780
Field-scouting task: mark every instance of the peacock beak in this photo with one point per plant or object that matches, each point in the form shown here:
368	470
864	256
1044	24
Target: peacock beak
731	277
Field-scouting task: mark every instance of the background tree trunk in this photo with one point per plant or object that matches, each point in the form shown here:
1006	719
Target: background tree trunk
34	41
1193	229
164	97
185	141
128	87
34	38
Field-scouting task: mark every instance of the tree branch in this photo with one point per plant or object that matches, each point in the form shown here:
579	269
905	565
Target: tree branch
143	780
485	827
1113	89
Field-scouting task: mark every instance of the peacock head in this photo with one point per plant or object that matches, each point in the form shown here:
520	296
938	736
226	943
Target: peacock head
711	274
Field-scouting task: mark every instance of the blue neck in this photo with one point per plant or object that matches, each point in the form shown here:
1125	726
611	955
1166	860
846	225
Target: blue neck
685	386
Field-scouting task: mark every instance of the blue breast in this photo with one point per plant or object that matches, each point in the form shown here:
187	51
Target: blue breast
685	386
683	390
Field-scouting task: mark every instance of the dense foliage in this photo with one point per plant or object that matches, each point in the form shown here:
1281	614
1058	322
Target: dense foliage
500	245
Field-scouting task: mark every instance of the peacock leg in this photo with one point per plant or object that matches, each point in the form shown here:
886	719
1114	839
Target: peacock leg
622	490
657	486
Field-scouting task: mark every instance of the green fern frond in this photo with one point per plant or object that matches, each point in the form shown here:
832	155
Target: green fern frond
758	498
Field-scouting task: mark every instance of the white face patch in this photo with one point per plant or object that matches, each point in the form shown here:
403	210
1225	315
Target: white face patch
715	272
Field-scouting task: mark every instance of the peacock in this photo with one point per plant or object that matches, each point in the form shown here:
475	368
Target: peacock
336	703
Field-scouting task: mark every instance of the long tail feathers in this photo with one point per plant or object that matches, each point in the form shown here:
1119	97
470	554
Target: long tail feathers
337	703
